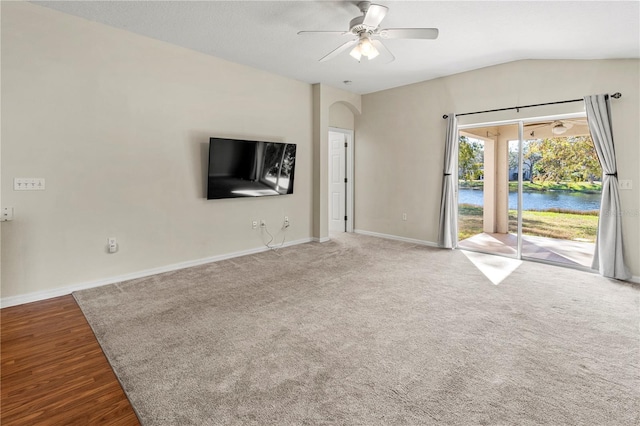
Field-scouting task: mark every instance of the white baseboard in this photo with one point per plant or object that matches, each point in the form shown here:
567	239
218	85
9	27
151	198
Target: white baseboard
5	302
395	237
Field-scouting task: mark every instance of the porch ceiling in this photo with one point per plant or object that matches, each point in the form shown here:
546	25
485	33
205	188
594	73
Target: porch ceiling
535	130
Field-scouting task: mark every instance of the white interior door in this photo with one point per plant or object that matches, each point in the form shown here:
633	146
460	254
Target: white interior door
337	181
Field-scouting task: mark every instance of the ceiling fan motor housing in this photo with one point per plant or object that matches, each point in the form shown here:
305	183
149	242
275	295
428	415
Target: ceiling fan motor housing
357	27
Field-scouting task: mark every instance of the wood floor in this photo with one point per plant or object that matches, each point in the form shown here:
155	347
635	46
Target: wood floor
54	371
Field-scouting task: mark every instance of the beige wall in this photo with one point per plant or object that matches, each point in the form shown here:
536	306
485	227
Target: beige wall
118	125
401	132
341	116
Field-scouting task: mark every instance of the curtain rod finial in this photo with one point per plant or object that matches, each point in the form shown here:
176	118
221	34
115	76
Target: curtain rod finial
616	95
445	116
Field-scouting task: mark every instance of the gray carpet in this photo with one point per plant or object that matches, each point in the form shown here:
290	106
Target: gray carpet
365	331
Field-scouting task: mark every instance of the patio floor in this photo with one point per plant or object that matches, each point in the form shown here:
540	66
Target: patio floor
573	253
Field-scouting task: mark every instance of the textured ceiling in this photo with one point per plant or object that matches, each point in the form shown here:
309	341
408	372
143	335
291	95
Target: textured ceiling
473	34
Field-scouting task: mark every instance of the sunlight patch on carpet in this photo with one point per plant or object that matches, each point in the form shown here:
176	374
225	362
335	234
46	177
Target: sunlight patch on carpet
495	268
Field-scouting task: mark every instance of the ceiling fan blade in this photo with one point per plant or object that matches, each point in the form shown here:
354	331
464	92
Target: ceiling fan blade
564	123
538	123
375	14
411	33
382	48
534	127
338	50
324	33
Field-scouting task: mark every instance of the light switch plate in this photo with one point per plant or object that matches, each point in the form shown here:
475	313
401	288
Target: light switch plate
625	184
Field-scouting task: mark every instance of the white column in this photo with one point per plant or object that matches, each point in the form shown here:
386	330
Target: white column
502	186
489	212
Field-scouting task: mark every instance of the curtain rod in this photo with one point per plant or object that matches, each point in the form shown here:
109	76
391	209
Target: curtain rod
616	95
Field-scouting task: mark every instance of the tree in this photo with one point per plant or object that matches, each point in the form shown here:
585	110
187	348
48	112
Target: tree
470	158
586	166
530	156
571	158
568	159
553	159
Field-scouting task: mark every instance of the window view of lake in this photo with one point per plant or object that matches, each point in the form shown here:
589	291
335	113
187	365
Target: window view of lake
560	171
538	200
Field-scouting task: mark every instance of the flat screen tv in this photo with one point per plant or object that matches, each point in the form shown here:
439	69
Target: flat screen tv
241	168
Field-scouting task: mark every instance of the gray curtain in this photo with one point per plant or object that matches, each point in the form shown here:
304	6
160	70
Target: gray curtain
448	226
608	258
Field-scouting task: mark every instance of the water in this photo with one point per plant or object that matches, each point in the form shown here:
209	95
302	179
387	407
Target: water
538	200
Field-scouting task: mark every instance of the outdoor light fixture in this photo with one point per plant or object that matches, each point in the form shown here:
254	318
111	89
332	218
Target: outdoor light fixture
364	48
558	128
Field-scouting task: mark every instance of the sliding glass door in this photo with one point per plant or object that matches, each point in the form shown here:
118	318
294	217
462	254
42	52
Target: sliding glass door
530	189
562	192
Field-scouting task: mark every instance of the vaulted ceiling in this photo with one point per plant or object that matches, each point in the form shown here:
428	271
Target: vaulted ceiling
473	34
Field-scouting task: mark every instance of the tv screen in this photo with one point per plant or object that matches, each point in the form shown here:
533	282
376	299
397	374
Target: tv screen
241	168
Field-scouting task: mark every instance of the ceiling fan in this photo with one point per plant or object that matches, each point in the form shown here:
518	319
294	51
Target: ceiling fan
558	127
365	32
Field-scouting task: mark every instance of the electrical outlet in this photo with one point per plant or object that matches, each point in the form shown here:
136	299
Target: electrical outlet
263	223
286	222
254	224
6	214
112	244
404	216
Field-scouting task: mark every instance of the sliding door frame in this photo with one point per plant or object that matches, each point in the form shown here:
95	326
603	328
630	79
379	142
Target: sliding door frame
520	188
520	123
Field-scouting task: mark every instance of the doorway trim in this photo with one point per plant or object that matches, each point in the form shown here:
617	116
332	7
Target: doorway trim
349	207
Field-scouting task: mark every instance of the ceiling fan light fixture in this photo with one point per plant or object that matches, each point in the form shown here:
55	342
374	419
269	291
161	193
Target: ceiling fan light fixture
364	48
373	52
356	53
558	129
